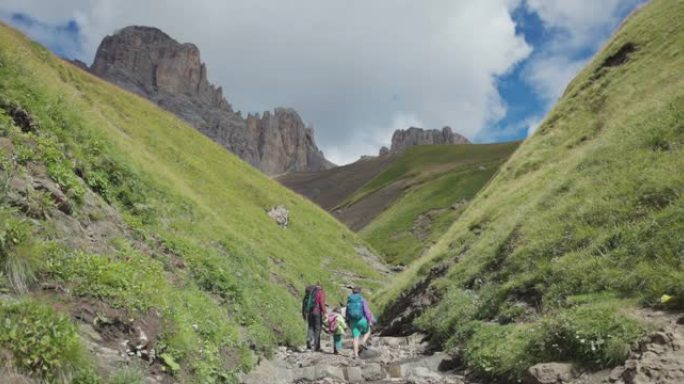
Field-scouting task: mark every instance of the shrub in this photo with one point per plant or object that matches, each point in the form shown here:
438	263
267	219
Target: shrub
43	342
133	282
593	334
19	258
500	351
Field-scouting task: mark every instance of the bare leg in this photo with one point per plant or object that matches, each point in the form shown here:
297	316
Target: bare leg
355	344
366	337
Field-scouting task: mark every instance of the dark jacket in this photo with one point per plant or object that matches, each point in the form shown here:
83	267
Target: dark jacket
319	300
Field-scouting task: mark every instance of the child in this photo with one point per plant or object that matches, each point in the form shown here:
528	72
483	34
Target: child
336	326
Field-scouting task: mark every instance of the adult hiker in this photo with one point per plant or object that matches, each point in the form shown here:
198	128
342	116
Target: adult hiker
360	318
336	326
313	310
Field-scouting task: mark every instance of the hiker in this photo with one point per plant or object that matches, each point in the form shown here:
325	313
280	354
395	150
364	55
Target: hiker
313	310
360	318
336	326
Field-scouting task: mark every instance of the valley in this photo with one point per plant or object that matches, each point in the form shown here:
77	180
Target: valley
151	234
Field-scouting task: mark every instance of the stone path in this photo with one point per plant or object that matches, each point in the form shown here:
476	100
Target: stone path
387	360
657	359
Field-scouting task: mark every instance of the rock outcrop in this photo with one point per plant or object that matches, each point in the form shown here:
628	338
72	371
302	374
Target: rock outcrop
150	63
404	138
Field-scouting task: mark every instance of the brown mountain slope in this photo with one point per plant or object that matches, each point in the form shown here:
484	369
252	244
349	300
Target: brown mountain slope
331	187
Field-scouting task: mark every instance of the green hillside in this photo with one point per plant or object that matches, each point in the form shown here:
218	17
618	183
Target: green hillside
579	227
402	203
118	214
437	181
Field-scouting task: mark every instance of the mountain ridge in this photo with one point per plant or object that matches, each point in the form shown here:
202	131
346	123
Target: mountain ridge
413	136
147	61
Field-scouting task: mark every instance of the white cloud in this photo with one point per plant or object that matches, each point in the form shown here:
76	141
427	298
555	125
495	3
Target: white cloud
351	68
532	124
368	140
581	20
577	27
549	75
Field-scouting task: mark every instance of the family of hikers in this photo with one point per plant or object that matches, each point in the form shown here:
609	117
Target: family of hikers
355	315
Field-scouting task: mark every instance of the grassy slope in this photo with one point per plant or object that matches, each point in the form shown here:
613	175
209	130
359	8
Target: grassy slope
173	187
434	177
583	222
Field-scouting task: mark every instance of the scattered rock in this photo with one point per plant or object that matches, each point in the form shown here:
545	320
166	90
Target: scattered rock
395	359
660	338
21	117
372	372
616	374
61	200
280	214
550	373
354	375
657	359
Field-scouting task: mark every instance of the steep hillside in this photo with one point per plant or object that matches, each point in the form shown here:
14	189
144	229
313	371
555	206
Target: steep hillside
149	62
581	226
129	239
434	185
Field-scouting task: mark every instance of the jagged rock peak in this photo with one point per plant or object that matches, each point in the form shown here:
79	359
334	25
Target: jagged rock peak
149	62
404	138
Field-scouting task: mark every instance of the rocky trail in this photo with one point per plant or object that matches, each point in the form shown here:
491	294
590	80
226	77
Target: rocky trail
657	359
386	360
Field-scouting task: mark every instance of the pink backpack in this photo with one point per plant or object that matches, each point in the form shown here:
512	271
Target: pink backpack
332	323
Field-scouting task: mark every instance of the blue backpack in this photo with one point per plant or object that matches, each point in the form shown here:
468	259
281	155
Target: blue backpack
355	307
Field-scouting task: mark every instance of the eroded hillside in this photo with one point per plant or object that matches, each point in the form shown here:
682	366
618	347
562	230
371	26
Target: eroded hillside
581	226
128	239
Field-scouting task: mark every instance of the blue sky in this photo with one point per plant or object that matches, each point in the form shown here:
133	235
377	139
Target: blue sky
526	103
64	39
490	69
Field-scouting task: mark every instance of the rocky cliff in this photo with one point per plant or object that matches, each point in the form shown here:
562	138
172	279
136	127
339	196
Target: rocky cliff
150	63
404	138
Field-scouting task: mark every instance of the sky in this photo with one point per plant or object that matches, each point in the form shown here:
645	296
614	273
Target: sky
359	69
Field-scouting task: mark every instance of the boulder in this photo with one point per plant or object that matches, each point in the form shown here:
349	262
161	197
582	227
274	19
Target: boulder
372	372
353	375
280	214
329	371
550	373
